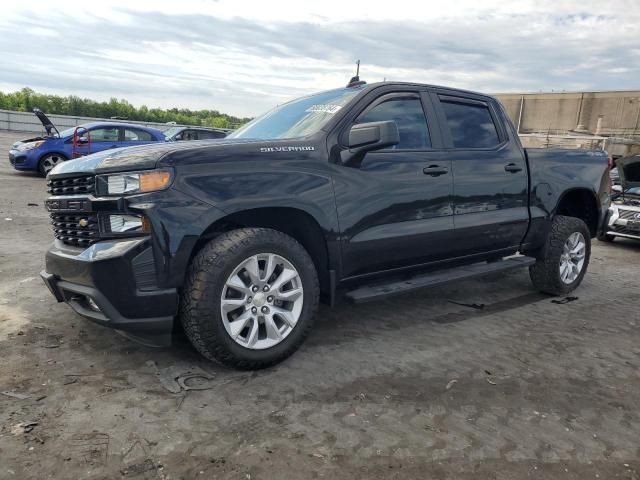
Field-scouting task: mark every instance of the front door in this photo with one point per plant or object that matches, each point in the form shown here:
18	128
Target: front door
104	138
490	187
395	209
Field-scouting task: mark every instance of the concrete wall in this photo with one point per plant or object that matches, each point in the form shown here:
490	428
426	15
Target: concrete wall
619	112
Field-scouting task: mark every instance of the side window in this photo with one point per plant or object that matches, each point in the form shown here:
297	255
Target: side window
202	135
190	135
135	135
470	124
109	134
410	118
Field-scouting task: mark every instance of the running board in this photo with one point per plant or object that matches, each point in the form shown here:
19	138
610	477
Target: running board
376	291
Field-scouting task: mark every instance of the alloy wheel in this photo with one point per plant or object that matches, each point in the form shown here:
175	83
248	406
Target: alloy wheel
572	258
262	301
50	161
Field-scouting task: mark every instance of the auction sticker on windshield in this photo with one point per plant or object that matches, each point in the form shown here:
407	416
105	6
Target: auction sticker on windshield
324	108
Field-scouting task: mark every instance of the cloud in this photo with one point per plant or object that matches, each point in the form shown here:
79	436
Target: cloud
244	62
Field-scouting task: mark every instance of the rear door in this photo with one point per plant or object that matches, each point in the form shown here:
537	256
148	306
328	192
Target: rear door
104	138
490	184
134	136
395	208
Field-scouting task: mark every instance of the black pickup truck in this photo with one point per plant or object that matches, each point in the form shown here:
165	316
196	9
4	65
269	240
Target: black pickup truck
350	194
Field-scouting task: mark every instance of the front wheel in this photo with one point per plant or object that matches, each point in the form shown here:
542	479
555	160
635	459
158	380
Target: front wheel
563	261
250	298
47	162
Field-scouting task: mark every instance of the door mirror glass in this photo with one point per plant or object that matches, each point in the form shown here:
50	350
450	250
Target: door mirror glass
367	137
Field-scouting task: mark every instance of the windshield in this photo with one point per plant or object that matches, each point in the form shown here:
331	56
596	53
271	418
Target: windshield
172	131
297	118
67	133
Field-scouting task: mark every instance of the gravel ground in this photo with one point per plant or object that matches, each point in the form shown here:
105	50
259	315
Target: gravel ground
419	386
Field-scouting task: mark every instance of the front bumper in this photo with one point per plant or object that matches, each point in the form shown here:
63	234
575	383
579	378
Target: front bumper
23	160
112	283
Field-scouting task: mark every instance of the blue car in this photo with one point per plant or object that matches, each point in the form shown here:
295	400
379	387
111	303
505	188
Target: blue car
42	153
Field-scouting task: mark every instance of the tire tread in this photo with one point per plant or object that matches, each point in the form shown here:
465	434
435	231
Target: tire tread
198	305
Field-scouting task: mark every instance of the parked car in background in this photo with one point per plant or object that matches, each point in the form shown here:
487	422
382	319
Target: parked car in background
177	134
624	213
42	153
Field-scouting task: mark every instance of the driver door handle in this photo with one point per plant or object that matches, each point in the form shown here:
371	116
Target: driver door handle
512	167
435	170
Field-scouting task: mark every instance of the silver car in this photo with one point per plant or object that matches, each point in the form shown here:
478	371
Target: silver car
624	213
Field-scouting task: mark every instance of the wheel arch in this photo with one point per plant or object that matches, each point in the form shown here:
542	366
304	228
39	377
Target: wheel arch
295	222
580	203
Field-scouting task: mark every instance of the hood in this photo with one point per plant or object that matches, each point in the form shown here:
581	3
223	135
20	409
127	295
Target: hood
144	157
27	140
46	123
629	171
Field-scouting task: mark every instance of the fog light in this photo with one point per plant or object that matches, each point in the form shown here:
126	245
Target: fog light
92	304
124	223
127	224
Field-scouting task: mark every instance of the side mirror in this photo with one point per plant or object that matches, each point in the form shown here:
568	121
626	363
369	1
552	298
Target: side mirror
83	140
367	137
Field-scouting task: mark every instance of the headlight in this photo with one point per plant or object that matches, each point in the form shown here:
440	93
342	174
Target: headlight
134	182
29	146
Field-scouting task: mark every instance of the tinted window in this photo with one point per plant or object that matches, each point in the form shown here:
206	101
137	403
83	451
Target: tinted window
203	134
135	135
104	134
471	125
408	115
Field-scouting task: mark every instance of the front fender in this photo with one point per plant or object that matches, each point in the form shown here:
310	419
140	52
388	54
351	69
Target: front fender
261	185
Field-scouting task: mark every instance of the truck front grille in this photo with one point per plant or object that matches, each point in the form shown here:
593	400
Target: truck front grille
628	214
78	229
72	185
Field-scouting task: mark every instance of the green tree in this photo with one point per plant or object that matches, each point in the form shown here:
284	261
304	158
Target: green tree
27	99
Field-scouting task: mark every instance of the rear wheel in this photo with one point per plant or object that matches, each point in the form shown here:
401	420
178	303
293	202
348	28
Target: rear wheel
250	298
47	162
563	261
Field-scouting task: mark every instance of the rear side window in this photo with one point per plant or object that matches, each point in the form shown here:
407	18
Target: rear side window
135	135
104	134
470	124
410	118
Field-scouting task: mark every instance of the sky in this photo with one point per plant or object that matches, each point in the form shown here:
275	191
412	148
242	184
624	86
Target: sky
244	57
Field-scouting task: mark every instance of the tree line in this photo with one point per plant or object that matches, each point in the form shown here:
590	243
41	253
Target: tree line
26	100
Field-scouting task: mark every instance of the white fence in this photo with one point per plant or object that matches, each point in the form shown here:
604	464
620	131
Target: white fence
28	122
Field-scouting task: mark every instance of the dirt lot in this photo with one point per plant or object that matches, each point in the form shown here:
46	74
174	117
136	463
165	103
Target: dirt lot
422	386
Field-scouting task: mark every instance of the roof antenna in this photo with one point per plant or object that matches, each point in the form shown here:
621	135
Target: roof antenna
355	81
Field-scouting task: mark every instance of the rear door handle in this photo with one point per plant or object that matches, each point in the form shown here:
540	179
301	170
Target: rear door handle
435	170
512	167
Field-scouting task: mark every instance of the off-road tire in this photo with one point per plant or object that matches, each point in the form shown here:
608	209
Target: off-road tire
201	296
545	273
